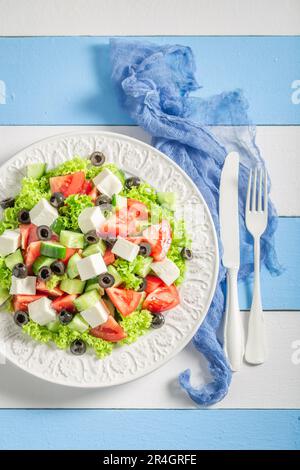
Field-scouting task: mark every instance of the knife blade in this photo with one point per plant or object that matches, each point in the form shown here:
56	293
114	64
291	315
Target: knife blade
229	232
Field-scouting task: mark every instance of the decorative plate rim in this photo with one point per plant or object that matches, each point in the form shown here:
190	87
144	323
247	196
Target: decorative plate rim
13	334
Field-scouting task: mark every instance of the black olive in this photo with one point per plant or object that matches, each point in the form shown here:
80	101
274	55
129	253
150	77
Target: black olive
145	249
106	280
45	273
8	202
65	316
133	181
187	254
44	233
57	200
91	237
21	318
143	285
102	200
24	216
110	241
20	271
58	267
78	347
158	320
97	158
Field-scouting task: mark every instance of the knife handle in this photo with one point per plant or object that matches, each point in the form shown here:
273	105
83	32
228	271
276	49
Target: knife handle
233	328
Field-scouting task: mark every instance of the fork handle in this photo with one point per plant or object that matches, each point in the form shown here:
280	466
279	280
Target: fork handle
256	348
233	331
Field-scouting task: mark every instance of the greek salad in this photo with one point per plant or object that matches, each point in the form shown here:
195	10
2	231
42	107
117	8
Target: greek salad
88	257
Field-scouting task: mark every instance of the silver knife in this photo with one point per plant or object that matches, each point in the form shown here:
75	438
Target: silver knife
229	230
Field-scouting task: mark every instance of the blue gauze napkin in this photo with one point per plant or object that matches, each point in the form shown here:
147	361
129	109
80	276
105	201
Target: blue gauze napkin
154	84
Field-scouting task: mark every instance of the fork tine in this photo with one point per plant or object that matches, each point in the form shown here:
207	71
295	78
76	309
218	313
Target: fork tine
253	204
265	192
259	200
249	192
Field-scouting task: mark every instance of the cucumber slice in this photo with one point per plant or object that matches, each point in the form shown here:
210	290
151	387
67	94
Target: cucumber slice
53	326
4	295
57	226
71	239
168	200
98	247
13	259
72	270
143	296
119	202
35	170
40	262
86	300
78	324
92	284
110	306
144	268
72	286
53	250
112	270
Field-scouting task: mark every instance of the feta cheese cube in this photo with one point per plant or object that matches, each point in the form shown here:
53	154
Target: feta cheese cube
96	315
90	218
43	213
26	286
41	311
108	183
166	270
9	242
125	249
91	266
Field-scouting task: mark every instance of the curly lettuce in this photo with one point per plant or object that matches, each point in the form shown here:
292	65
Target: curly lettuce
63	336
5	275
131	272
84	164
32	190
69	213
136	324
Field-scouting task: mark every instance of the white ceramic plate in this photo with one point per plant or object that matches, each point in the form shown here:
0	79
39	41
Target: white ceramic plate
158	346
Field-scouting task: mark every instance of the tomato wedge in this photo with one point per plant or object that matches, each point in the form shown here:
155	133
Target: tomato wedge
109	331
136	210
69	252
161	299
153	283
159	238
87	187
33	251
42	287
68	184
109	257
93	194
65	301
20	302
28	235
125	300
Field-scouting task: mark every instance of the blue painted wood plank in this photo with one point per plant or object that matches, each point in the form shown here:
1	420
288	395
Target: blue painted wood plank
150	429
283	292
65	80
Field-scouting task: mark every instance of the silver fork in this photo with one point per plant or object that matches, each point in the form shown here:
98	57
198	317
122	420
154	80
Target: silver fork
256	216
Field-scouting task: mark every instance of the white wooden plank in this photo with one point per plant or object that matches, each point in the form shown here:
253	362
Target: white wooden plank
279	146
274	384
167	17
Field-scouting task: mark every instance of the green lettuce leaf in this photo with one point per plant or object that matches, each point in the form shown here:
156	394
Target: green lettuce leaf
64	336
128	271
69	213
136	324
55	280
32	190
5	275
102	348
